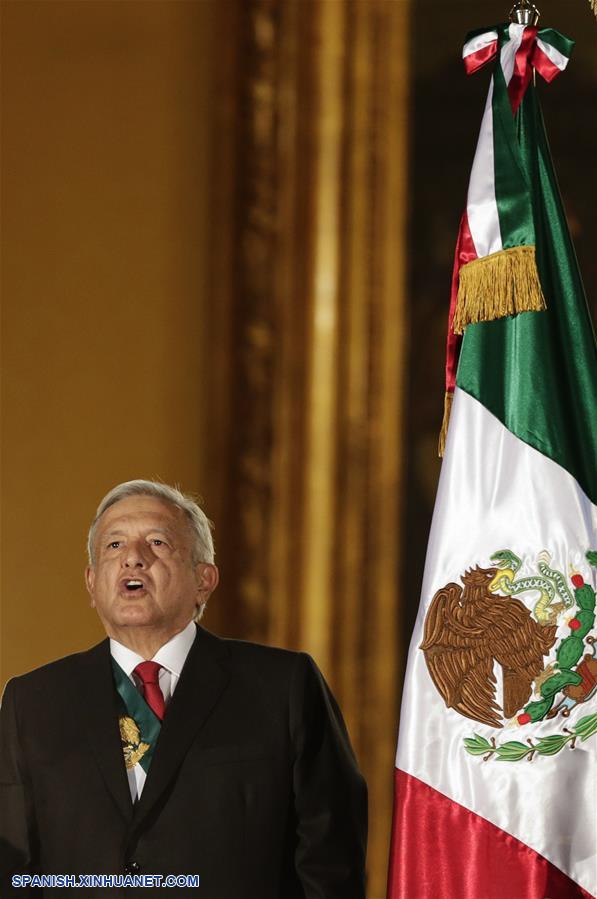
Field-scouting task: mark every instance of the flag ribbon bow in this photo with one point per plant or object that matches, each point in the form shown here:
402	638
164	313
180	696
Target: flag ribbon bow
495	273
545	50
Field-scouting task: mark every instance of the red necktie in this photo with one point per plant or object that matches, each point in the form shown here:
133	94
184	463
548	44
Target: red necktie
148	673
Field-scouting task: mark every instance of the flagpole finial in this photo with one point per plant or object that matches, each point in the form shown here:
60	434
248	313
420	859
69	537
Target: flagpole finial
524	13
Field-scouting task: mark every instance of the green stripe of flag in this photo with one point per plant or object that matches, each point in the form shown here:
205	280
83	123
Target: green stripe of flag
537	372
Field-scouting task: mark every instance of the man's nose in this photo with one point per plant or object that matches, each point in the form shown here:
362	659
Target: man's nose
134	556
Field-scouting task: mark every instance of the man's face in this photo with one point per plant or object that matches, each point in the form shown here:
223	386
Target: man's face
143	574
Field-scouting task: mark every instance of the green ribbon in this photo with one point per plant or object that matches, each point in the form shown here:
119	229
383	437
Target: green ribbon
140	738
512	185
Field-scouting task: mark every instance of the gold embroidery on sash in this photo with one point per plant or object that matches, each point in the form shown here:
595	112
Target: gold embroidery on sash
133	748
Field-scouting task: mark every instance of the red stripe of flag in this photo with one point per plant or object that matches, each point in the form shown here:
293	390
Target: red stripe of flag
441	850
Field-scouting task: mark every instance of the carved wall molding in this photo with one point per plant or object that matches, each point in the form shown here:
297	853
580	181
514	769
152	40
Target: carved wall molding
309	320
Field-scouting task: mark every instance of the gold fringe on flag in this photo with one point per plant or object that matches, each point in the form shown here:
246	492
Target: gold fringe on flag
441	446
503	283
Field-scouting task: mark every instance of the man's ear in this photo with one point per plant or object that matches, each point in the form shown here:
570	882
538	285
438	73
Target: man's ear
208	577
89	583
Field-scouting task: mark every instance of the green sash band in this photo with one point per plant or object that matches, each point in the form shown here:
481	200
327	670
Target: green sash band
139	727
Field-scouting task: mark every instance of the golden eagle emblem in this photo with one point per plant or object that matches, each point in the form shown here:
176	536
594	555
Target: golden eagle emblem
132	746
467	630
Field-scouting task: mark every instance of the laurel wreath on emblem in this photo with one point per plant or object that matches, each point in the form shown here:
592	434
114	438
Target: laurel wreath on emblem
514	751
468	629
132	746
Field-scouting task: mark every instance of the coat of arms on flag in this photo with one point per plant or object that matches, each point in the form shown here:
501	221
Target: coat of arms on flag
496	767
471	631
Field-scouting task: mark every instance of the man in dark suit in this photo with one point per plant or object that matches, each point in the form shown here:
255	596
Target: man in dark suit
165	750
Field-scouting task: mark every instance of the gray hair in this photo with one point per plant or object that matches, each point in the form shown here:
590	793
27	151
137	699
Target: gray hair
203	546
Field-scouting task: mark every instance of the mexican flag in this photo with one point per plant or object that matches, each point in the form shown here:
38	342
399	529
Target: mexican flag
496	768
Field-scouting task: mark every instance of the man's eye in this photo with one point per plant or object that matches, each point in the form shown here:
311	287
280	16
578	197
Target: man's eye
157	542
114	544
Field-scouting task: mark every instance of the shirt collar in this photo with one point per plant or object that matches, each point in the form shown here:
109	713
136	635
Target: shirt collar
171	656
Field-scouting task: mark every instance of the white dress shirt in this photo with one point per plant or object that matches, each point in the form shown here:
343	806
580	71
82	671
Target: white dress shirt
171	656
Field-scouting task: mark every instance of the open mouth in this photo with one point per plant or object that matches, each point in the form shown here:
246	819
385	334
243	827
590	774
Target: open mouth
133	585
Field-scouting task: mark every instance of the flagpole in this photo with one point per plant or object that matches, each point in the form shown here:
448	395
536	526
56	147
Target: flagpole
525	13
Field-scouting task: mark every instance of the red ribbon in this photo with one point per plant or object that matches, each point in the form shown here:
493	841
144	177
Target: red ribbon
543	64
475	61
523	68
465	252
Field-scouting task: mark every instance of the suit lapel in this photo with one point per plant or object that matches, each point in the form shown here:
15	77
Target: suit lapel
202	681
98	708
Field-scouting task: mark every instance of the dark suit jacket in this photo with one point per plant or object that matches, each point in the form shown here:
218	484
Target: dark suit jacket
253	784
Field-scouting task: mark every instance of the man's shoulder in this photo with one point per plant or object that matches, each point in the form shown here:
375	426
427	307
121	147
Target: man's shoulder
249	650
53	673
270	660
